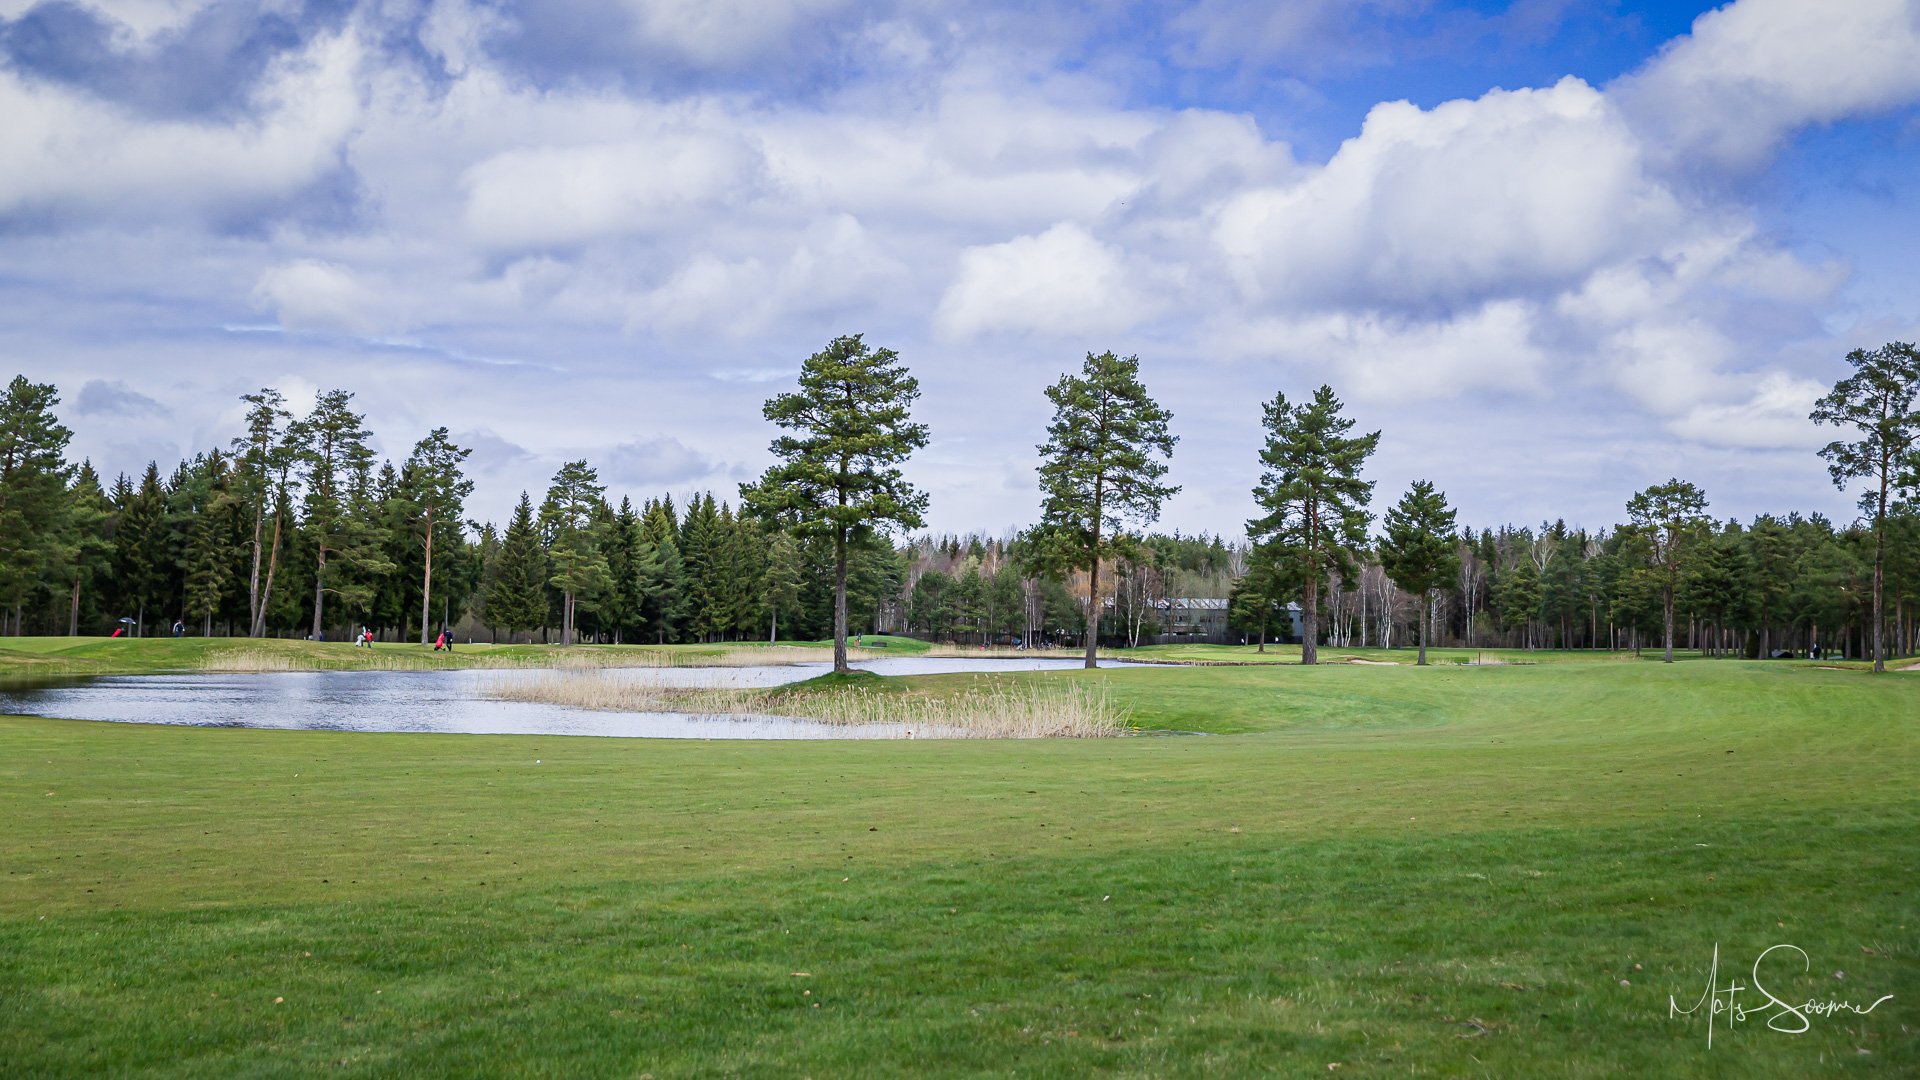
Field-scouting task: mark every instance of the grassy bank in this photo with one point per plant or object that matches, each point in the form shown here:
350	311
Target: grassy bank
1499	871
52	656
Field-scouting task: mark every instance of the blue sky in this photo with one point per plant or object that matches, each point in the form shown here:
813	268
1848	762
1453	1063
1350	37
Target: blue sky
1556	250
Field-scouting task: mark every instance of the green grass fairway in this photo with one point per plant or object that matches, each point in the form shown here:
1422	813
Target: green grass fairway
1406	654
1452	871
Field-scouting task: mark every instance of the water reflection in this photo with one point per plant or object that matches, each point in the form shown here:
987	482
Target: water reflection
445	701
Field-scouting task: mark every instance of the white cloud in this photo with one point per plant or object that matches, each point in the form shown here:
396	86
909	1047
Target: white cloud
969	159
835	265
1061	283
719	33
313	295
563	195
1383	358
1773	417
1514	192
456	31
65	153
1668	365
1754	72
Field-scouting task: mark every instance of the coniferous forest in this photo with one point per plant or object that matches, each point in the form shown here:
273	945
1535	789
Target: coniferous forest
296	528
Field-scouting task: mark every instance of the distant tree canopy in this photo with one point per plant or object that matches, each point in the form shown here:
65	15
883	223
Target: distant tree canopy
297	529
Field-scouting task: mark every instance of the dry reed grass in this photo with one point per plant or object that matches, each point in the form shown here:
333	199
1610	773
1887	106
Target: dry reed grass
999	652
754	656
258	661
1029	711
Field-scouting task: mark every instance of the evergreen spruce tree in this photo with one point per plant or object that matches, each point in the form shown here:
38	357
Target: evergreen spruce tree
486	558
1258	600
89	540
34	526
782	581
140	545
704	562
206	559
517	596
746	573
630	564
1420	552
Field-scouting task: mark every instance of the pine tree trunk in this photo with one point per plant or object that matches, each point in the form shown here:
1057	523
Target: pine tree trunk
1310	622
1879	562
840	602
319	591
1666	606
73	613
1422	662
1093	582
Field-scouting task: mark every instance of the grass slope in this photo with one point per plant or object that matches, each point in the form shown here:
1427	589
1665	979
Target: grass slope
1442	872
35	656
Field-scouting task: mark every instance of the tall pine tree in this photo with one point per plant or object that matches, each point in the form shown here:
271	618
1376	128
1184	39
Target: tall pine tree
838	476
1100	471
1314	500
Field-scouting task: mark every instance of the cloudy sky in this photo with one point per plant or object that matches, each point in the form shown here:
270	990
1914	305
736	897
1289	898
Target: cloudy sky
1555	249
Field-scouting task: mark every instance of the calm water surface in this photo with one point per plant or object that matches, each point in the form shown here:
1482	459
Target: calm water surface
450	701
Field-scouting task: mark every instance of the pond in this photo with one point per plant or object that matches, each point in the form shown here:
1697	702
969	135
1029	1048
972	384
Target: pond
452	701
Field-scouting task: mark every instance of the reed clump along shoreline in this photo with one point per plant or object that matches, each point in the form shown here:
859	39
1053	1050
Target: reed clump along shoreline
993	711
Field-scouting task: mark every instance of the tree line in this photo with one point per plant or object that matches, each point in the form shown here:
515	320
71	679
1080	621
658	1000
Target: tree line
296	528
